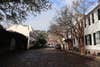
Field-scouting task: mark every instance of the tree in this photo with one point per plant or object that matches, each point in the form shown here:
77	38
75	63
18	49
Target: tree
80	8
65	21
56	30
15	11
73	21
41	39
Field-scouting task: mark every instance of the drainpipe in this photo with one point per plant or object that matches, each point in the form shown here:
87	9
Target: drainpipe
28	43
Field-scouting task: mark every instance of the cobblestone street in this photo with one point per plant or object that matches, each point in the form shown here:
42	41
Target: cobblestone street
45	58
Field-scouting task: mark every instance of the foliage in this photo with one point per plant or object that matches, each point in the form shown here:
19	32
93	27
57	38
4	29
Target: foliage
17	10
41	40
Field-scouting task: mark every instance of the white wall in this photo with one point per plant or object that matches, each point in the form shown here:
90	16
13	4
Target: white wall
76	43
90	29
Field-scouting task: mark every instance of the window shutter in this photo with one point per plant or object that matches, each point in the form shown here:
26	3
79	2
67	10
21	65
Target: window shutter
86	40
90	39
92	17
98	14
94	38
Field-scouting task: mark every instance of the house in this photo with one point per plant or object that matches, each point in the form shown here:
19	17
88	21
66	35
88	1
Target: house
4	40
26	39
92	30
52	39
11	40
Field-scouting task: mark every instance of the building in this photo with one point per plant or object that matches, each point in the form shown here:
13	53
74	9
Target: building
92	30
52	39
4	40
24	30
10	41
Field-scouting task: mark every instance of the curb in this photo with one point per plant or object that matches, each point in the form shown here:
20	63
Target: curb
96	58
88	56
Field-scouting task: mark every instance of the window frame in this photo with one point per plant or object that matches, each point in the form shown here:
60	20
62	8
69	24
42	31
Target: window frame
88	39
97	37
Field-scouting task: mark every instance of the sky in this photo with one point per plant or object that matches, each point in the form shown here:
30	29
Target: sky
43	20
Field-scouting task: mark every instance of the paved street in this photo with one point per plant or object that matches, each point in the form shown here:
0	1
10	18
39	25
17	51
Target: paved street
45	58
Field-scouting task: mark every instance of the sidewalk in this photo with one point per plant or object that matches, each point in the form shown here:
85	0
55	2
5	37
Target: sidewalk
96	58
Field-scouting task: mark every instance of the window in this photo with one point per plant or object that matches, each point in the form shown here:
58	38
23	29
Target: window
74	41
89	20
85	39
85	24
94	38
98	14
97	36
88	39
92	18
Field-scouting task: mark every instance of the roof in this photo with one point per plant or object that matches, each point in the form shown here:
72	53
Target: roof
22	29
91	8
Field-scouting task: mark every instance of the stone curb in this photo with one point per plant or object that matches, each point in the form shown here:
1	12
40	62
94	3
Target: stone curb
97	58
88	56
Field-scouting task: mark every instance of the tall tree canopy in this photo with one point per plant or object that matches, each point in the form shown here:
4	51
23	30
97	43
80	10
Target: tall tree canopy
16	10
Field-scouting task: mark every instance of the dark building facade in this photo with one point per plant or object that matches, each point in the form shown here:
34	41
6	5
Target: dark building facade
11	41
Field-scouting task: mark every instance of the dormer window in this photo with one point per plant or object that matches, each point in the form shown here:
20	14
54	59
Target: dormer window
99	14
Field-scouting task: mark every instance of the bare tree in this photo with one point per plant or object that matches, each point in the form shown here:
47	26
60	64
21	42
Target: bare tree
73	21
66	23
58	32
80	8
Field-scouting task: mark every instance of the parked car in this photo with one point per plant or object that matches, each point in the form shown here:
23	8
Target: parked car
58	46
51	46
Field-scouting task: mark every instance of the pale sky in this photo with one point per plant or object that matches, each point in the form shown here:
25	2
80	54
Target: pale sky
43	20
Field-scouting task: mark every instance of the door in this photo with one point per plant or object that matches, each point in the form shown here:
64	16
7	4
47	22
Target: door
12	43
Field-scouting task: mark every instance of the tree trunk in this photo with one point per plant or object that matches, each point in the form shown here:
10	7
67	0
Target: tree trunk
81	46
61	42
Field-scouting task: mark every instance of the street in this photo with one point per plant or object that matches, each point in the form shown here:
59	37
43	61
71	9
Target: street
47	57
